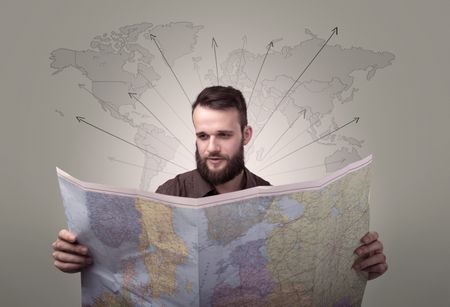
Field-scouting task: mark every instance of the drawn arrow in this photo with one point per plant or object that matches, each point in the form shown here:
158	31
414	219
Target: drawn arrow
296	136
285	131
334	31
150	85
214	46
153	38
82	119
356	119
133	96
269	46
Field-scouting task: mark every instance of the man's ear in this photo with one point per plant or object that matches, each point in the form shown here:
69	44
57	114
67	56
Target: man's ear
247	134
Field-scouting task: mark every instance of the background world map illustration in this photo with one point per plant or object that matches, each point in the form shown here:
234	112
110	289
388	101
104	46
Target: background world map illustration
131	72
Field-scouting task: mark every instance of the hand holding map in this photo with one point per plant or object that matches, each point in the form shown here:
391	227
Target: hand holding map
267	246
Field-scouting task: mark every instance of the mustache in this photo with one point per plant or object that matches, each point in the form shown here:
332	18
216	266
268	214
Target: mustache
216	155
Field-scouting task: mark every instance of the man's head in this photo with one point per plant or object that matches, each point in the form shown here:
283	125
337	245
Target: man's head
222	98
220	119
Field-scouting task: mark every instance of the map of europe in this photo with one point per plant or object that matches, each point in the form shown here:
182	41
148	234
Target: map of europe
288	245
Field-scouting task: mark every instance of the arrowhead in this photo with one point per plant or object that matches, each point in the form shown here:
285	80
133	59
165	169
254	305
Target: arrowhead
335	30
80	118
214	43
270	45
356	120
152	37
132	95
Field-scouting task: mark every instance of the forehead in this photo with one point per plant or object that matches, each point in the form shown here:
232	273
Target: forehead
210	120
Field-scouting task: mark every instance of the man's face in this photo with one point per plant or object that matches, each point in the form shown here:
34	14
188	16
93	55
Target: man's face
220	143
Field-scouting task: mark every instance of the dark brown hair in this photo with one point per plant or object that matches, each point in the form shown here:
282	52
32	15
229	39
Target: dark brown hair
222	98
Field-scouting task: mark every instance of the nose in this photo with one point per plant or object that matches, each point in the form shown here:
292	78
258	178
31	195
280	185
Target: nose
213	145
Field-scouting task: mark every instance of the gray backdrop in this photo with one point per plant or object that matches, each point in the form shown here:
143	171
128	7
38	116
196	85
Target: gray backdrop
405	110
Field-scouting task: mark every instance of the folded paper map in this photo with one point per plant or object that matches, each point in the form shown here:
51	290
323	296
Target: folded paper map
289	245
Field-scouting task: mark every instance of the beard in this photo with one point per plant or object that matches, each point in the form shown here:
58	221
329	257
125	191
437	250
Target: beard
234	167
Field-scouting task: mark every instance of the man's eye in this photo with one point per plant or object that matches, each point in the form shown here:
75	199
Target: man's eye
224	135
202	136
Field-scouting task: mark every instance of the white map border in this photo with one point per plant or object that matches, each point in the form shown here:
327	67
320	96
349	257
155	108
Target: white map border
205	202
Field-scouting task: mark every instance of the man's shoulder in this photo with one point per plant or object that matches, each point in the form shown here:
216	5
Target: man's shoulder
188	184
254	180
173	186
261	181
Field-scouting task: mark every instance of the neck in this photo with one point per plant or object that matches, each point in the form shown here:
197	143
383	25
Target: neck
234	184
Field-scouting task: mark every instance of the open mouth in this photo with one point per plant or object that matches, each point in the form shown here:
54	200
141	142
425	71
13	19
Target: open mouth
215	160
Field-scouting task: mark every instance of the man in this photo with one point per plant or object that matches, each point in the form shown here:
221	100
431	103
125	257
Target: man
220	119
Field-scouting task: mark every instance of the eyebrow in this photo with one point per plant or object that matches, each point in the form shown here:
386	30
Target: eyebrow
218	131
